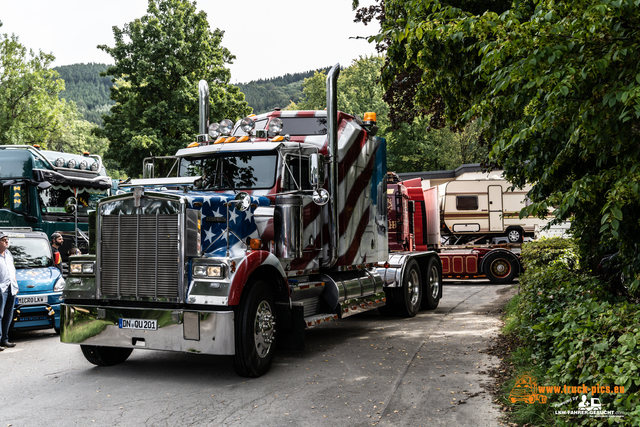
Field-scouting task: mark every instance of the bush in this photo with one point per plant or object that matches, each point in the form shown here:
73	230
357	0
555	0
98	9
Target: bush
576	332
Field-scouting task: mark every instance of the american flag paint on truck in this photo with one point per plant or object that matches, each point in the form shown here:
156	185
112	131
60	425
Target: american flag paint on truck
268	227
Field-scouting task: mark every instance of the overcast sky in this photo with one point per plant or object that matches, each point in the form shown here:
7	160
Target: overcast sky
268	38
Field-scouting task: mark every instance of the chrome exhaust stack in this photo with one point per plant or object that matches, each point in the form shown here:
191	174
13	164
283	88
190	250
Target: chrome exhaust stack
332	130
203	103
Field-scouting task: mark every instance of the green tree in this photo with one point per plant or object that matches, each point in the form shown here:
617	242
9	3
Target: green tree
314	93
557	86
159	60
30	111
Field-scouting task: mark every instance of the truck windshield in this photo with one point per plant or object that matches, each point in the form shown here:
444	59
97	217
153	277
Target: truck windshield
30	252
52	199
233	170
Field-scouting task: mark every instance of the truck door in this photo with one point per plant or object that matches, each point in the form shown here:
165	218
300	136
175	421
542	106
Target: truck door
496	221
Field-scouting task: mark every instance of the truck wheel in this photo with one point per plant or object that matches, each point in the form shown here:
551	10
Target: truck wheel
500	268
255	331
432	287
105	356
515	235
411	290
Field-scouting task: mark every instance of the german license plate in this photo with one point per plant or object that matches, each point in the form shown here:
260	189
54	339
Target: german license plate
145	325
32	299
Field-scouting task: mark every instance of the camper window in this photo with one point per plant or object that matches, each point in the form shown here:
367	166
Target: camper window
467	203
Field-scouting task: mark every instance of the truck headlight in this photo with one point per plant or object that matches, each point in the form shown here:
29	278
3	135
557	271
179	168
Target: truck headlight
75	268
216	271
81	268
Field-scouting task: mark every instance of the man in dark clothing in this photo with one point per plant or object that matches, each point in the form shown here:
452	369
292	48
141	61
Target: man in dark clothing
56	243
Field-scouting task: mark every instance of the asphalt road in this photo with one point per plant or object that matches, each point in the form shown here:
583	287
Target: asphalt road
364	370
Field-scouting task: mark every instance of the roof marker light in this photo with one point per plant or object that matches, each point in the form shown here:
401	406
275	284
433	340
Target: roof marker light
220	140
243	138
193	144
278	138
231	139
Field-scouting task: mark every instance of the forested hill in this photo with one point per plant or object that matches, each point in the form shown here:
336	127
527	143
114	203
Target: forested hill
85	87
90	92
266	94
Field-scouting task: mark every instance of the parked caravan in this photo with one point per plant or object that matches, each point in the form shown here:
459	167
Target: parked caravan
484	207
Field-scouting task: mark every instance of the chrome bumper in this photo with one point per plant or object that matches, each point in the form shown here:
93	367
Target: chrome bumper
206	332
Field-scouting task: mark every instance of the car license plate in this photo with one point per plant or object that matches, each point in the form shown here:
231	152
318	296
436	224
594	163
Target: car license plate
33	299
145	325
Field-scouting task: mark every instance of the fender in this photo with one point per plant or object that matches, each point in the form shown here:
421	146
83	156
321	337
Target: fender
248	265
506	253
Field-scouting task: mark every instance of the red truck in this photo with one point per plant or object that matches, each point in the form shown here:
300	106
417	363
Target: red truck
414	225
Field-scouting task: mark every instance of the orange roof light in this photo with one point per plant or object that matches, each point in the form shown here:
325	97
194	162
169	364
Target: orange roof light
231	139
193	144
278	138
243	138
370	117
220	140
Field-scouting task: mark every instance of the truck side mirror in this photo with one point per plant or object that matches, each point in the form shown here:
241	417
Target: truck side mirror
70	205
316	170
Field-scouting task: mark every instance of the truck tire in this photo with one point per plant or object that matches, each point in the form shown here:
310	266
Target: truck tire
432	285
500	268
105	356
515	235
255	331
411	293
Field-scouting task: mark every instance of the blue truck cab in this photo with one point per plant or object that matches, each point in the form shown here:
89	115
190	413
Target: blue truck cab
40	283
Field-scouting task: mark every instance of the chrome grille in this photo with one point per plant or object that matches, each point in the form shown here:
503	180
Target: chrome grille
139	256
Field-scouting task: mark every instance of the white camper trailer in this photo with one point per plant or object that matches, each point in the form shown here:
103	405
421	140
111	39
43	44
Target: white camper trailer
484	207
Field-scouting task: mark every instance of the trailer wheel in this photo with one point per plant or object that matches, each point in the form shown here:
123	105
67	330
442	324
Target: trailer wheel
500	268
105	356
514	235
255	331
411	290
432	286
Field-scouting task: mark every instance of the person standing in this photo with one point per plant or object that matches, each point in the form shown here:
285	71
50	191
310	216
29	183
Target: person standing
56	243
8	290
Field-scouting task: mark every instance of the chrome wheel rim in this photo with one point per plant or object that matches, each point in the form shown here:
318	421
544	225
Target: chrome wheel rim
514	235
434	283
264	329
500	268
414	287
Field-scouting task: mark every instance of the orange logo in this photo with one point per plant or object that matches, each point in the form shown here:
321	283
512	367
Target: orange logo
526	390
